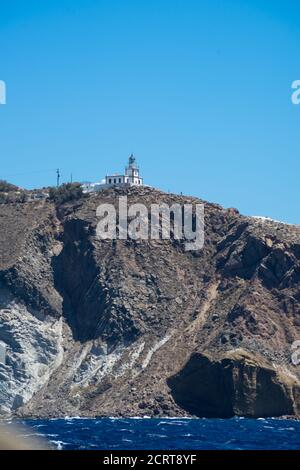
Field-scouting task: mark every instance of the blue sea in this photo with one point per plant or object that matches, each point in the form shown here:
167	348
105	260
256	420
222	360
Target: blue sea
155	434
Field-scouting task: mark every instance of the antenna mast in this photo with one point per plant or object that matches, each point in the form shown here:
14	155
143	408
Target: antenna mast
57	177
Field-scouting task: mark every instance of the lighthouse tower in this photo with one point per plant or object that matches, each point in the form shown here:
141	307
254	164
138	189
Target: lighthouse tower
132	172
131	177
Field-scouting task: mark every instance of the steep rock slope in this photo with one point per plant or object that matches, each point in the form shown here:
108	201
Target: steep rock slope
143	327
30	307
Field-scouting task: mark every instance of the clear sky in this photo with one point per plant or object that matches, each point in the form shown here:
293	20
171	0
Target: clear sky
198	90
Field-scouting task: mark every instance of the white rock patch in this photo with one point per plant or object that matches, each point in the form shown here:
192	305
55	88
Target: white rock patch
33	351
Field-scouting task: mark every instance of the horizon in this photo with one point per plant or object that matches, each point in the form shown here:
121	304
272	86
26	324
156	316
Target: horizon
200	93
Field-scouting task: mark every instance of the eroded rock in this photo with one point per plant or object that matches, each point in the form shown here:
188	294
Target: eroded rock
235	384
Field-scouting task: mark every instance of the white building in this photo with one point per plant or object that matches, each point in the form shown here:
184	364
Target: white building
131	177
89	187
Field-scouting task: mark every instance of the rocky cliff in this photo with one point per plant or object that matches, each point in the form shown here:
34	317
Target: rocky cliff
143	327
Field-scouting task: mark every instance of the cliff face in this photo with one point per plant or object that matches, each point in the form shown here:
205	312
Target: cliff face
143	327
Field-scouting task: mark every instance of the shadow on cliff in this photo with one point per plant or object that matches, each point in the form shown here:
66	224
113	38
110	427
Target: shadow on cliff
75	276
81	276
237	384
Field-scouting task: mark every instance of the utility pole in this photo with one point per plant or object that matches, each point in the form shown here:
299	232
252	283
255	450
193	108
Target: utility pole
71	177
57	177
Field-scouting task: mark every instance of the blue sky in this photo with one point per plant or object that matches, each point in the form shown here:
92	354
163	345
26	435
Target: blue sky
198	90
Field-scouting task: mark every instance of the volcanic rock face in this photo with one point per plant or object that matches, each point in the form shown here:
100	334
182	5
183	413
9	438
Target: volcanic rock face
144	327
237	384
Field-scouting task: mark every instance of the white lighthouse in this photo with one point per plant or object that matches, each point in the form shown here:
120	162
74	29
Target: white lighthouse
130	178
132	172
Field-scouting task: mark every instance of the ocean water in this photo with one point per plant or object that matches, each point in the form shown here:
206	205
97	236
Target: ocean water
155	434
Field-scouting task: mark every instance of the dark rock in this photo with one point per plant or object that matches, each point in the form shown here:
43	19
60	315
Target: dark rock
237	384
